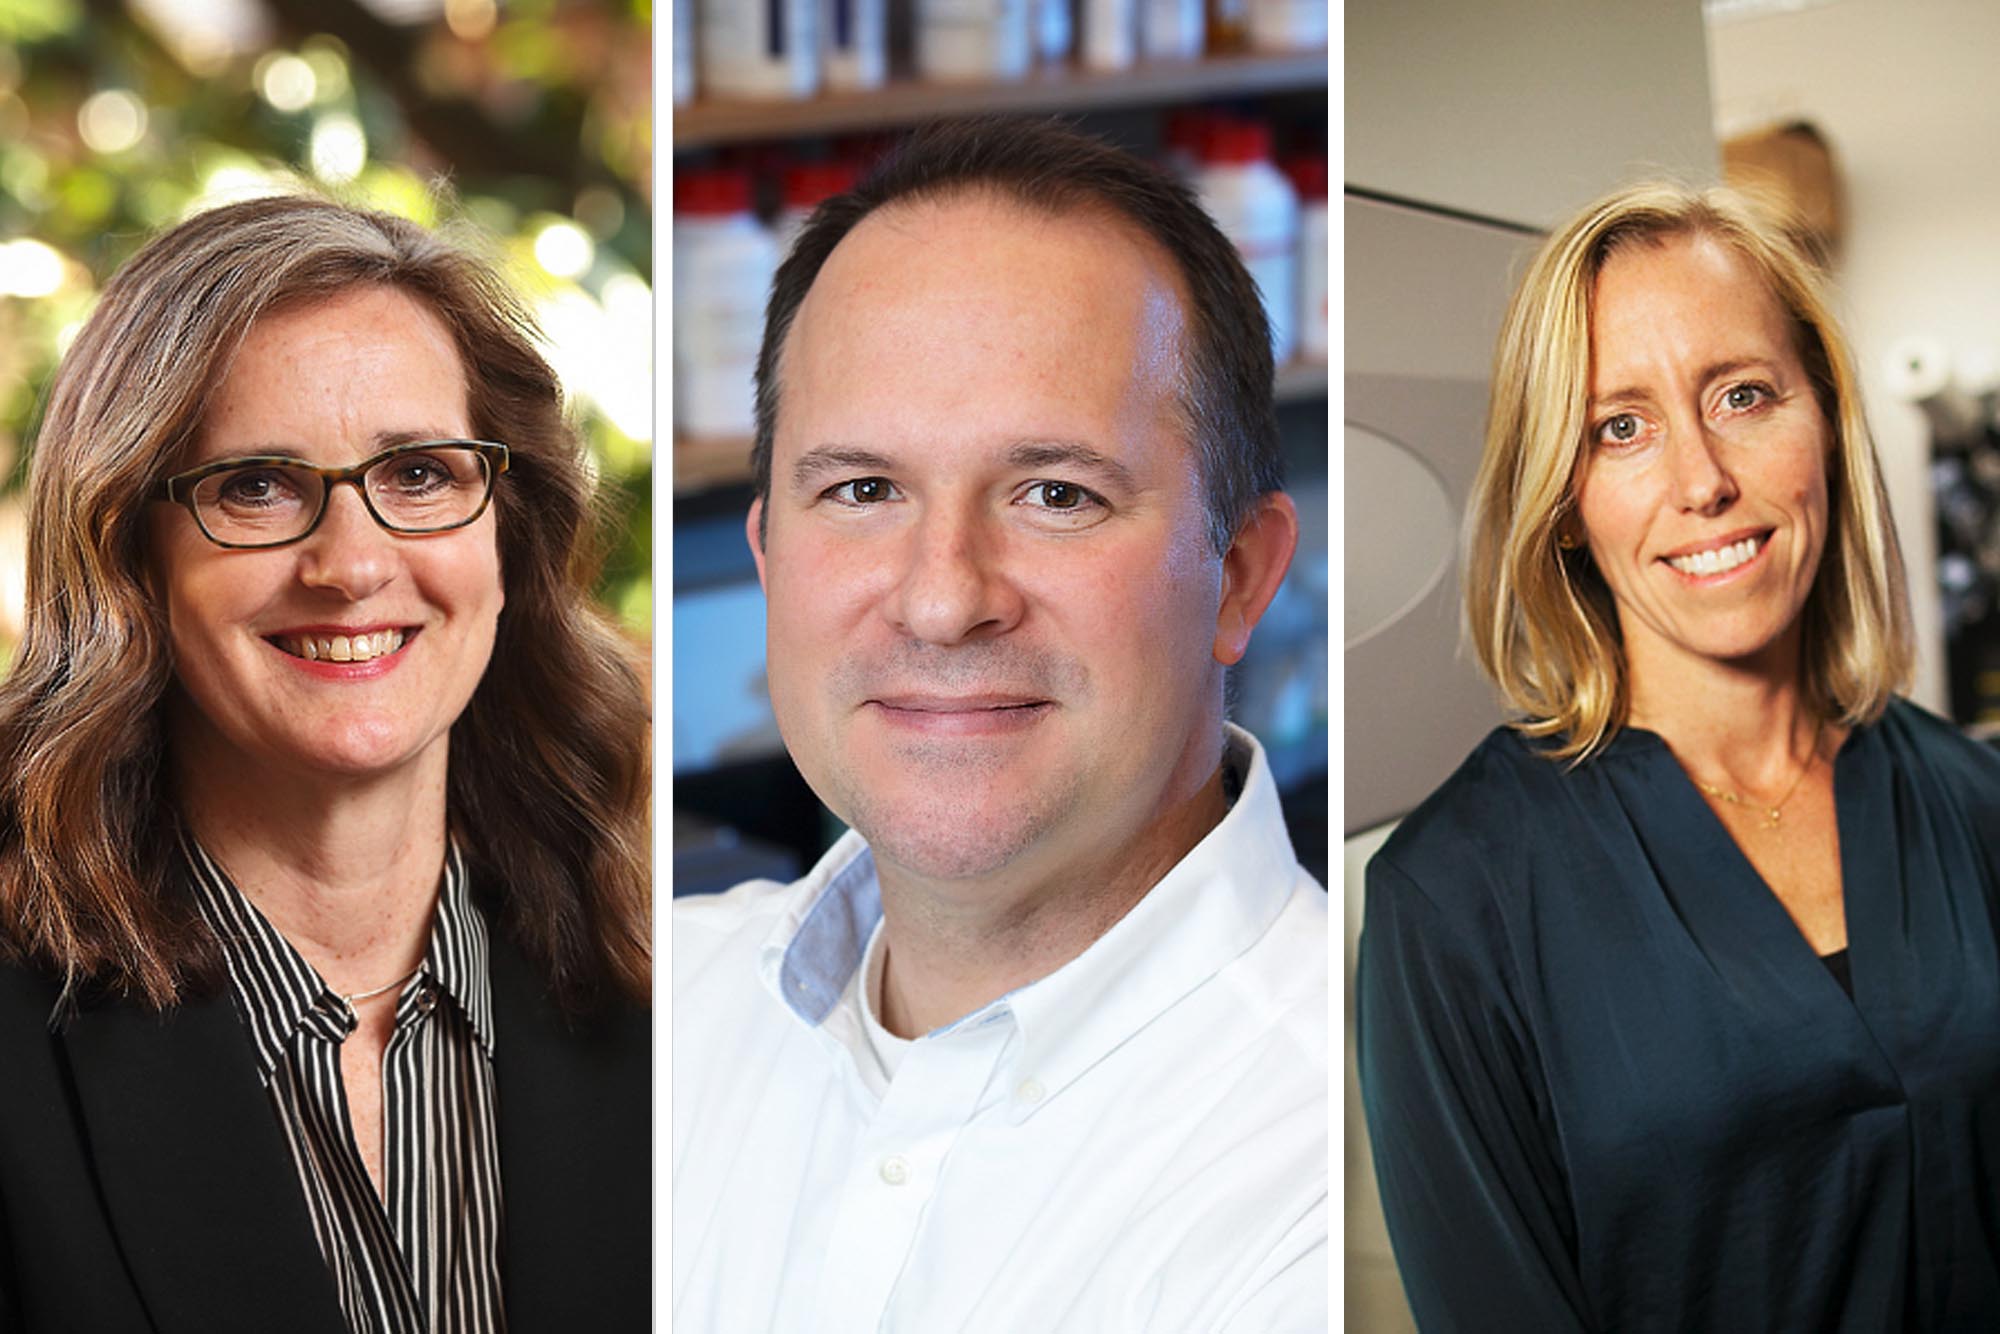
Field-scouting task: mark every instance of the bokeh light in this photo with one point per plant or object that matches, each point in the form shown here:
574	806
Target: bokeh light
231	178
29	268
563	249
471	20
13	568
339	148
111	121
286	81
205	35
327	58
600	210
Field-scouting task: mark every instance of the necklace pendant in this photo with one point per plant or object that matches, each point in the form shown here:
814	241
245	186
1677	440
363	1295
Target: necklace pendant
1771	816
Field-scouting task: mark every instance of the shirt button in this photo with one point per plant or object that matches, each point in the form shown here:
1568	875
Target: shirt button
895	1169
426	1000
1031	1091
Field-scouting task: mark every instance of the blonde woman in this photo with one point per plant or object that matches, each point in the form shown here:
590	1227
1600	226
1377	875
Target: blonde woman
323	894
1679	1003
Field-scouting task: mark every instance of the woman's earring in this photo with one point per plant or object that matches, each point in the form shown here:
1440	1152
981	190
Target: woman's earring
1567	541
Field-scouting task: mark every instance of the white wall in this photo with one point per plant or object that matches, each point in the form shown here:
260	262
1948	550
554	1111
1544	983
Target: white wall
1908	94
1523	110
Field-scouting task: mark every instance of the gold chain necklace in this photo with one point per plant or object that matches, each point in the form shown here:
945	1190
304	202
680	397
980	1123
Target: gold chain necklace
1771	814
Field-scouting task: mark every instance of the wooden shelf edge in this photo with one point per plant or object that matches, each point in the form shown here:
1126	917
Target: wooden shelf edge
706	123
701	465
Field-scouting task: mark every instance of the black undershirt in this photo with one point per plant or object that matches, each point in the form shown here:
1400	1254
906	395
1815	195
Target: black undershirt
1836	963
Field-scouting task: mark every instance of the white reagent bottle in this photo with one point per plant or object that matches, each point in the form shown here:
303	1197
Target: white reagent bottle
854	44
1287	25
964	40
1253	204
1308	176
723	263
1110	34
764	50
1172	29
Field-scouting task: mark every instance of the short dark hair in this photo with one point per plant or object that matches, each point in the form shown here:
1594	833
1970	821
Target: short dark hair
1225	370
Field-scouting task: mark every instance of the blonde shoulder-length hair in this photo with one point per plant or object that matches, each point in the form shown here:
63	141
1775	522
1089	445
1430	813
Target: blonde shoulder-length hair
1540	617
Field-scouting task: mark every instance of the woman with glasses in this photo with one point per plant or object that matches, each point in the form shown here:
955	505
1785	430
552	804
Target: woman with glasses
1679	1003
322	813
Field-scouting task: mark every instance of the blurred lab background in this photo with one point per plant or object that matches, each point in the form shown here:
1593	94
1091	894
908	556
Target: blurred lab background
532	119
778	106
1471	125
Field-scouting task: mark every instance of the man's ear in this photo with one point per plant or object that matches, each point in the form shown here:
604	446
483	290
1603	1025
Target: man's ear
1252	569
752	526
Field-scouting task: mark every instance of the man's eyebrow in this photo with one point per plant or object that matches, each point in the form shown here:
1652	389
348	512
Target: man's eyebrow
1067	454
822	459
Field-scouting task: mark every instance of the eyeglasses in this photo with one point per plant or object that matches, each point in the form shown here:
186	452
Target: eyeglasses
269	500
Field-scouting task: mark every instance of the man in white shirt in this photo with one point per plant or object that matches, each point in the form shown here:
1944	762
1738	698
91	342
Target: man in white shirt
1041	1044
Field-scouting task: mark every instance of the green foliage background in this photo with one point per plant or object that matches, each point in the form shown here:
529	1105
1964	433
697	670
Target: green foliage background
520	116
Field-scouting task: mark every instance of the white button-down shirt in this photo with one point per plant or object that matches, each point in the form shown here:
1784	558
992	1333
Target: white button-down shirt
1137	1141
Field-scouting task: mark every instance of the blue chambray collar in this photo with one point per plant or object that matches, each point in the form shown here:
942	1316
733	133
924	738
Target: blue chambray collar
814	950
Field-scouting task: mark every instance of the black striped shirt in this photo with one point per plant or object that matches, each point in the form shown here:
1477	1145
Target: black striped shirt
428	1263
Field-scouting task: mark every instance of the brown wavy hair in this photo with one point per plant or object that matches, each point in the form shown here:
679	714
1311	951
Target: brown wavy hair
1541	618
549	775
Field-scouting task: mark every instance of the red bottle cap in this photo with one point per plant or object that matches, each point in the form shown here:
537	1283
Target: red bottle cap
1237	142
807	183
1187	131
714	192
1308	175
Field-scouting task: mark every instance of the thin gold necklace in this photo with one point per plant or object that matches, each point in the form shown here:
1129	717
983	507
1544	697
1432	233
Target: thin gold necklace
1771	814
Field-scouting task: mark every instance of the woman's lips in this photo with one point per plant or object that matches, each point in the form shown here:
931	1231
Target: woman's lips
358	647
1716	560
356	655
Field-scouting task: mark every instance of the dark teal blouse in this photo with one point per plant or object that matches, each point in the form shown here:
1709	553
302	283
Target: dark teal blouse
1610	1087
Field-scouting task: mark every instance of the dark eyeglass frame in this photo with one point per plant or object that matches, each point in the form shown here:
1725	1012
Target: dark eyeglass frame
179	489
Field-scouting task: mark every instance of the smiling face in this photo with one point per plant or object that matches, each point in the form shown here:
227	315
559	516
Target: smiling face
353	651
993	608
1703	487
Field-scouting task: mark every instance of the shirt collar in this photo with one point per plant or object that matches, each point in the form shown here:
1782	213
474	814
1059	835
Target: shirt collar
457	958
278	992
823	935
1211	907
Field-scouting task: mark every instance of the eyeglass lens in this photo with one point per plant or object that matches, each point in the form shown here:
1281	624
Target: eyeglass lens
420	491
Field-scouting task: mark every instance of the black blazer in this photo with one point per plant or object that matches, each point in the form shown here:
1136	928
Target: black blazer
145	1184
